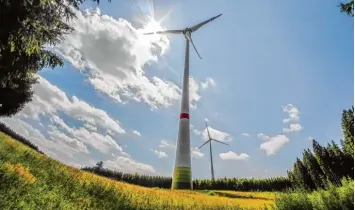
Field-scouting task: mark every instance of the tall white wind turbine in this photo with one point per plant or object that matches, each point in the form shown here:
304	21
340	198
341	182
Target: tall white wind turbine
210	141
182	178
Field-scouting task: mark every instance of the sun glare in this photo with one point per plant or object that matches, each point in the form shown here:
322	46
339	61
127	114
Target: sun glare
152	26
154	39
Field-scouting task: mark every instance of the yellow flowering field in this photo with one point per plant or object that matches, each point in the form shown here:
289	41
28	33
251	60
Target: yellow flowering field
30	180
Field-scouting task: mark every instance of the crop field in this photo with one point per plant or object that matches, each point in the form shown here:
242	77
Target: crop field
34	181
30	180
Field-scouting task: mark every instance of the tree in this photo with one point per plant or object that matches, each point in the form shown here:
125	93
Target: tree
347	124
348	8
99	165
302	176
26	27
314	169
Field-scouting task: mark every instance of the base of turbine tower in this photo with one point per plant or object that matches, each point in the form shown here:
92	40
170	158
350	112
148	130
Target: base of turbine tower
182	179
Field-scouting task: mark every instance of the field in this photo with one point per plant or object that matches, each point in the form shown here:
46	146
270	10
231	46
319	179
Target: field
30	180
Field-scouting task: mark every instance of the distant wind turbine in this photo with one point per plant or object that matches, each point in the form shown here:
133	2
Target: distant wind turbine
182	178
210	141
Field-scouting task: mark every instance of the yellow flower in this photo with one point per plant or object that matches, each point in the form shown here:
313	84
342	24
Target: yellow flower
21	171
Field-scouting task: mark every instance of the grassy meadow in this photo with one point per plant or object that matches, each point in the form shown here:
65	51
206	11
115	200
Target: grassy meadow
30	180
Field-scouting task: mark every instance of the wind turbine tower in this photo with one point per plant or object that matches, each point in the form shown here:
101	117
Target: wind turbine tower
182	178
210	141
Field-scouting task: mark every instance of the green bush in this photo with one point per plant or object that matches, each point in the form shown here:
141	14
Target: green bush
333	198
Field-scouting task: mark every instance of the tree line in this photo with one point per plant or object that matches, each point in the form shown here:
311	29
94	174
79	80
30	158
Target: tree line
327	164
239	184
8	131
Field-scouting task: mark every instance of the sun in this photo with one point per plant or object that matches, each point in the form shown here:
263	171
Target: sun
156	41
152	26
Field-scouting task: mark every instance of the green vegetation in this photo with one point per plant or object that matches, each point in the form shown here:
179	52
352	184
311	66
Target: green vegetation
348	8
328	164
238	184
332	198
28	27
30	180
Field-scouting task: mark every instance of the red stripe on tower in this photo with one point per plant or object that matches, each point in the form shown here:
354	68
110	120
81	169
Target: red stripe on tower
184	115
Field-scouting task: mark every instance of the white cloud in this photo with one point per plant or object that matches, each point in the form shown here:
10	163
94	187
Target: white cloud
61	138
209	82
216	134
96	140
160	154
103	143
64	142
58	147
73	151
233	156
128	165
90	127
195	131
166	144
207	120
137	133
246	134
113	54
49	99
169	146
293	113
272	144
310	138
194	96
294	127
195	153
293	118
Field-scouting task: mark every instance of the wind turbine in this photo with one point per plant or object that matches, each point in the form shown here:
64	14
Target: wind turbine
210	141
182	178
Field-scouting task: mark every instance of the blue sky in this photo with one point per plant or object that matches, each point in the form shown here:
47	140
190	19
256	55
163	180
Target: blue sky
262	56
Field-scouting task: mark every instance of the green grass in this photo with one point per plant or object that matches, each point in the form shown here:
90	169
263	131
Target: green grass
334	198
29	180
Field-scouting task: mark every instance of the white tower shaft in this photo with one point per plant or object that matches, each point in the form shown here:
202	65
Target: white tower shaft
182	178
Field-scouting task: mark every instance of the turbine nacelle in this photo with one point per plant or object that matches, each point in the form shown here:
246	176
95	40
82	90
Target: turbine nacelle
187	31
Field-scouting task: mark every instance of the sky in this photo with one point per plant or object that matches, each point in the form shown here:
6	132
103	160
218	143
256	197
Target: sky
273	76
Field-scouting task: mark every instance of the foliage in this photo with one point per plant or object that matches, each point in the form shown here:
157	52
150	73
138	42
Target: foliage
327	164
347	124
26	29
332	198
33	181
243	184
348	8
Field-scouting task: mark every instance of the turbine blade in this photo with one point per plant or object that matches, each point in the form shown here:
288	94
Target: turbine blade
197	26
194	47
165	32
220	142
208	132
204	144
